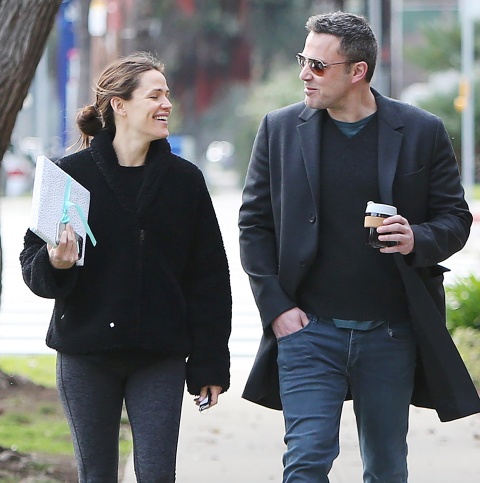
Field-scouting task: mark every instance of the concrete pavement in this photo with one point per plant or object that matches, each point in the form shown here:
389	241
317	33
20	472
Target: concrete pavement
238	441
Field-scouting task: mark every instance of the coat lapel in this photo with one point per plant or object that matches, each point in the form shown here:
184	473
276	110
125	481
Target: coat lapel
309	133
389	145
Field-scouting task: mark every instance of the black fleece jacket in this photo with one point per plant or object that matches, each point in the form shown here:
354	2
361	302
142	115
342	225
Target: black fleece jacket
158	277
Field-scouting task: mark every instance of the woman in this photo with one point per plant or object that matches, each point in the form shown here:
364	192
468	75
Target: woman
151	306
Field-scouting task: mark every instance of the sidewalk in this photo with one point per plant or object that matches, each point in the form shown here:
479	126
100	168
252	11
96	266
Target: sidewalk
237	441
241	442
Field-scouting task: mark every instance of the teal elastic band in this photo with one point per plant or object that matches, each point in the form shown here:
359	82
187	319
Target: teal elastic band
67	204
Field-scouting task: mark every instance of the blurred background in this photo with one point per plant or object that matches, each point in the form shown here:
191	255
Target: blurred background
228	62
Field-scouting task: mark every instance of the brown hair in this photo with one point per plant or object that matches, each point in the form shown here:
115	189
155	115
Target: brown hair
119	79
357	40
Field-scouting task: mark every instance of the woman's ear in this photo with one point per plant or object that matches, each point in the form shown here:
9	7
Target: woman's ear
118	106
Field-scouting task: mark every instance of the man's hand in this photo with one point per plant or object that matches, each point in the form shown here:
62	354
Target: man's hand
400	231
66	253
289	322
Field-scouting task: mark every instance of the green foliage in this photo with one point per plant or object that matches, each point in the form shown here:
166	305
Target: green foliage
35	433
463	321
281	88
463	304
467	341
38	432
40	426
441	49
278	30
38	369
442	106
476	192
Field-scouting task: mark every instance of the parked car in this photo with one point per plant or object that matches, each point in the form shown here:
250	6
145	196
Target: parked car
17	172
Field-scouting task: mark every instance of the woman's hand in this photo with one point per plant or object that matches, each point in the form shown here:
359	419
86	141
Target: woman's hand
65	255
214	392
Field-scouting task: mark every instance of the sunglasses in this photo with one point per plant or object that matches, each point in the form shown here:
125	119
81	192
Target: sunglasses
316	66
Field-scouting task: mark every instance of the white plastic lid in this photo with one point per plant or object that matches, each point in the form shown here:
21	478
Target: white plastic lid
381	209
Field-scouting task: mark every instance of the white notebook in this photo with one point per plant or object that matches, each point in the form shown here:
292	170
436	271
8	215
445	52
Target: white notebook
56	195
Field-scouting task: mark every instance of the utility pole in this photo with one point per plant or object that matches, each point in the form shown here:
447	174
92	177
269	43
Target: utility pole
467	92
396	42
379	16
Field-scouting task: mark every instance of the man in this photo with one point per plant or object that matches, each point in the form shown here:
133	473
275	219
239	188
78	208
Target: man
348	320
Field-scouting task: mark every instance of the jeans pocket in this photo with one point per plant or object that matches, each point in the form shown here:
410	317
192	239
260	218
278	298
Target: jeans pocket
401	332
311	319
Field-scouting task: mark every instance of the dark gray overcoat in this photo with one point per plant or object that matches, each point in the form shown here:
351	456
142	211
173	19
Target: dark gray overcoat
418	173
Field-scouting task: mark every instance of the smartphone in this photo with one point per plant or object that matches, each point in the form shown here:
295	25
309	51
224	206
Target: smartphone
205	402
61	227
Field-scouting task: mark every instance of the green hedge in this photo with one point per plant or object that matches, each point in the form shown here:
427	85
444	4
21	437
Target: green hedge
463	304
467	341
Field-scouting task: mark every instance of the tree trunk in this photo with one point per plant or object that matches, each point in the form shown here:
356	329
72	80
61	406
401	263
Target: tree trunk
24	31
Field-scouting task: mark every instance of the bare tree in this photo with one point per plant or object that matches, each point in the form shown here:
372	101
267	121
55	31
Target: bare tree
24	31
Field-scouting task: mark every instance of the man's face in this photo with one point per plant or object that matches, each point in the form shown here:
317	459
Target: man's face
331	90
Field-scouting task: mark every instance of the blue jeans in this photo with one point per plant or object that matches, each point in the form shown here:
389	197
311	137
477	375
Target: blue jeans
317	366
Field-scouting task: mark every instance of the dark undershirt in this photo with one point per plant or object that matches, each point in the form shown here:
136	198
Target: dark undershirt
349	281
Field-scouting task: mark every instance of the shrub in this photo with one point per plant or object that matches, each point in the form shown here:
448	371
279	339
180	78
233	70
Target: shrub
463	304
467	341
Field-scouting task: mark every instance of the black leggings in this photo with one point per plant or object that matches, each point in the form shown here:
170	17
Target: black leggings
92	395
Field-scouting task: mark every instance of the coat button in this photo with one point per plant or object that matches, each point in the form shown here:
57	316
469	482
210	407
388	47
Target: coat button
312	219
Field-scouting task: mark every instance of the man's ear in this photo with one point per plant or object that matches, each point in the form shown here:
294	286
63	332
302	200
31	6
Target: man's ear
359	71
118	106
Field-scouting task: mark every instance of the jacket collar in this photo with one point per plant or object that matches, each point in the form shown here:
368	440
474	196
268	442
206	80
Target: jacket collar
157	163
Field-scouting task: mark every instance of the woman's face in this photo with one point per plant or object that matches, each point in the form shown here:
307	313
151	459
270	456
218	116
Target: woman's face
146	113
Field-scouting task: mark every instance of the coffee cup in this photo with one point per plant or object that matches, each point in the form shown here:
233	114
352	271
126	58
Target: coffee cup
375	213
